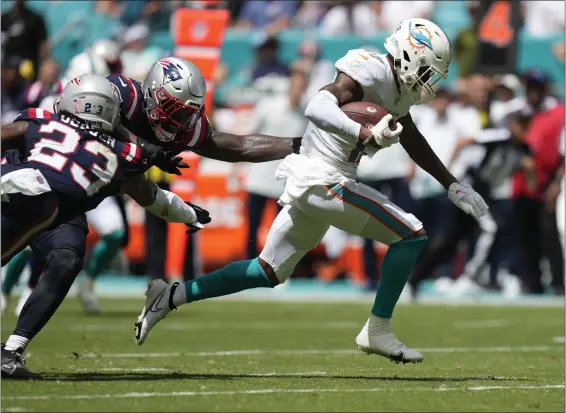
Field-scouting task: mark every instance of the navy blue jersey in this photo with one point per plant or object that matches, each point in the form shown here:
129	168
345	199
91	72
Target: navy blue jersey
134	117
82	167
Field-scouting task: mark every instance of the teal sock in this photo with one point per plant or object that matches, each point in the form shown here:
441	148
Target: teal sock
236	276
395	271
14	270
103	253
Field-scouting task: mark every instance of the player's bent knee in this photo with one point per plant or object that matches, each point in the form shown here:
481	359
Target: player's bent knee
65	261
273	278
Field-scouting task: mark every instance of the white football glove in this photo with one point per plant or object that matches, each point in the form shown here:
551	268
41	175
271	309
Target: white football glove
468	200
382	133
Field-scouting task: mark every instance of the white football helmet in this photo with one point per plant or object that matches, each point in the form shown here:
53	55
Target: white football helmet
421	53
91	98
109	51
86	63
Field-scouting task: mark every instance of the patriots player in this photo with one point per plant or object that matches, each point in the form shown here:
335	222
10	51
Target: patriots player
168	110
65	169
321	187
109	218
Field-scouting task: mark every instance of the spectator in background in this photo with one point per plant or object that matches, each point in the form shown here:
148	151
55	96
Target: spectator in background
137	57
47	84
466	41
555	193
278	115
537	233
391	13
443	123
267	62
351	17
310	15
544	18
13	89
24	34
270	16
320	72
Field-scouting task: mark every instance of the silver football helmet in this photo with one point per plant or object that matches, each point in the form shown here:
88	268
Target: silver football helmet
91	98
174	92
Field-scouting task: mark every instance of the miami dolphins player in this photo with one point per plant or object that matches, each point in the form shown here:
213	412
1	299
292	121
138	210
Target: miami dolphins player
321	187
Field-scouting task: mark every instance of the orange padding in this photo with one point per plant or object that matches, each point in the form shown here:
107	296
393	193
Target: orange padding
195	27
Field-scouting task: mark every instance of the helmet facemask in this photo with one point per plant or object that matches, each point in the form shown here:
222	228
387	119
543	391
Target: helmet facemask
420	85
172	119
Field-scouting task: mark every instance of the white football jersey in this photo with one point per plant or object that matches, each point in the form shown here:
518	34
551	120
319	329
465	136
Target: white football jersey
373	72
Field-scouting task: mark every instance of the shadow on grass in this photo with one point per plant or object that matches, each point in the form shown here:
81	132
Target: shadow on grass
137	376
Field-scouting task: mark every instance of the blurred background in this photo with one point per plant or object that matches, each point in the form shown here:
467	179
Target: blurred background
496	122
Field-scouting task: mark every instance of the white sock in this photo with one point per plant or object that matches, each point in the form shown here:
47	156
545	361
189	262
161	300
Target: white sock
180	295
378	325
16	342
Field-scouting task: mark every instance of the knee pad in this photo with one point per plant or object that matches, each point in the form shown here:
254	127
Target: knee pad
65	261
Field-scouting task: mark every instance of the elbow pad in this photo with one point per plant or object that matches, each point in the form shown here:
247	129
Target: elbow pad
171	208
324	112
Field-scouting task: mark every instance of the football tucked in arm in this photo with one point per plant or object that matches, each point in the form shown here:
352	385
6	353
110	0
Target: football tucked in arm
367	114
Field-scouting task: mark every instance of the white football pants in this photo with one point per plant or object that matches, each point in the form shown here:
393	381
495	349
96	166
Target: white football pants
352	207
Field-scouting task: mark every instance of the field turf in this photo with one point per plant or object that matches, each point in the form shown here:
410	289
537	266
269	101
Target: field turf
284	356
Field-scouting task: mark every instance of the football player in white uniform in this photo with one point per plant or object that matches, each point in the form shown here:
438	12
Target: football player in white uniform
321	188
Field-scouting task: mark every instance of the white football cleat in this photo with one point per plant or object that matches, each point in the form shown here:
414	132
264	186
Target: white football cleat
21	302
87	296
158	304
386	345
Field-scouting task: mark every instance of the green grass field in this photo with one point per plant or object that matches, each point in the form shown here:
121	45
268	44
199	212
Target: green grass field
283	356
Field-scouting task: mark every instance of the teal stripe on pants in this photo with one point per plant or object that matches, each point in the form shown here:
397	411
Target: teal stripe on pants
373	208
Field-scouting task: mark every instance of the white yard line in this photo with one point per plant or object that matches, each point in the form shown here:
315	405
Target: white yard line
125	369
271	391
493	323
492	349
559	340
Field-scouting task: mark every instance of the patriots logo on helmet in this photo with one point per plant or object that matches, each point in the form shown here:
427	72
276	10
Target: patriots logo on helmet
170	71
76	81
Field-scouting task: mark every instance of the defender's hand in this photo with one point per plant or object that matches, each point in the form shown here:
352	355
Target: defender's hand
383	134
164	160
169	163
203	217
468	200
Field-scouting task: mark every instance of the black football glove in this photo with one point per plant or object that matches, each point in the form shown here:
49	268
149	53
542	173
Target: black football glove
203	217
164	160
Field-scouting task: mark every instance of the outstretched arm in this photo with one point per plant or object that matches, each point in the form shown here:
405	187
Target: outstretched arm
420	151
12	131
247	148
164	204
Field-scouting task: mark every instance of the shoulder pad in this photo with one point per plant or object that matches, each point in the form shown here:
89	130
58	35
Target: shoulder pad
33	114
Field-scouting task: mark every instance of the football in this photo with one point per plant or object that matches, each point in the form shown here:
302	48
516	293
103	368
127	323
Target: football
365	113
